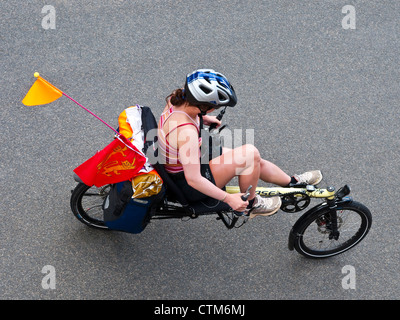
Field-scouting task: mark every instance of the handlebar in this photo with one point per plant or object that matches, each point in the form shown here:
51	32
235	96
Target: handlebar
212	126
244	198
219	117
247	193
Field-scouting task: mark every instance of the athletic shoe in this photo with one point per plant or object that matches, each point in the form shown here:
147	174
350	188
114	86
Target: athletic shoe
310	177
264	206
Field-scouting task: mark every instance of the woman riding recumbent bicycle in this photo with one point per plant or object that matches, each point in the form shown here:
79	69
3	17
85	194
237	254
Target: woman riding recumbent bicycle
195	186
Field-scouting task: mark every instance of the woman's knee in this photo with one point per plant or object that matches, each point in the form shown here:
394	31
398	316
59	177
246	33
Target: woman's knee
252	153
247	160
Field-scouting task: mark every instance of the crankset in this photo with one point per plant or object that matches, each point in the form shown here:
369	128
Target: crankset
295	202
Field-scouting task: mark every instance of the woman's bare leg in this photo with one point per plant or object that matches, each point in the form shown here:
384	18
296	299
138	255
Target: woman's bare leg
271	173
246	163
243	162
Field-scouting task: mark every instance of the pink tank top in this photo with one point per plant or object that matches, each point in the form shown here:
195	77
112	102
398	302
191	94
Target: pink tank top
168	152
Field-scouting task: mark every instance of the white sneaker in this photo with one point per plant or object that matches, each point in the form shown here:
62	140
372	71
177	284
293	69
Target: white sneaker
310	177
264	206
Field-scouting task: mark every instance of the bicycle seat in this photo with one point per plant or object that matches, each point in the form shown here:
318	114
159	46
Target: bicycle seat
174	193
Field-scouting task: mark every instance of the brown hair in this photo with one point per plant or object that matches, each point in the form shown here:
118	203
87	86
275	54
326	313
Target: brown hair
177	97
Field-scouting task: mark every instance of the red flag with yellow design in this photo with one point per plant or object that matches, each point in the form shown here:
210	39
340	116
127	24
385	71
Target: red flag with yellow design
117	162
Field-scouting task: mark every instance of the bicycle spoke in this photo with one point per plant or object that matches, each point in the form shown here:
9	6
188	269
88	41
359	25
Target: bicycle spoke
87	204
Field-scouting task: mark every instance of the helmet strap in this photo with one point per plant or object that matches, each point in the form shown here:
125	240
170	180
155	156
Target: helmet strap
221	114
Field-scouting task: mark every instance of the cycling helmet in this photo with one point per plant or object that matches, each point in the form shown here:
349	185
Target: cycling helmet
206	87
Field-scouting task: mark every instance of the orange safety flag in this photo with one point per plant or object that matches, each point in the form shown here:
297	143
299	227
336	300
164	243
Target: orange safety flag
119	161
41	92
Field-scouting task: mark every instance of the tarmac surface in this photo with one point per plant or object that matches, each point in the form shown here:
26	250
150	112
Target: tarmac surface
318	96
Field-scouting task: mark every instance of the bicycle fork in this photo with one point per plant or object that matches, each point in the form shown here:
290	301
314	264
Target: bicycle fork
334	232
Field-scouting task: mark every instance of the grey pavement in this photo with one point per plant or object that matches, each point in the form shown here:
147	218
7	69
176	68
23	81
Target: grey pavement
317	96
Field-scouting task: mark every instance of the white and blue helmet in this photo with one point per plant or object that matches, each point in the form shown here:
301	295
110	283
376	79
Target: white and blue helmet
210	88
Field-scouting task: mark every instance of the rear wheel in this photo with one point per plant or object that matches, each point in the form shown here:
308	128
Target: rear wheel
86	204
315	239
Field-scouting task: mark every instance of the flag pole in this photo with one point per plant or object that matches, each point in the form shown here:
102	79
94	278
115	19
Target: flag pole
37	75
126	143
98	118
118	135
43	92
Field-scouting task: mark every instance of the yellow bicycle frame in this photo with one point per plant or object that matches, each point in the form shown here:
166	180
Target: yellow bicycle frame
280	191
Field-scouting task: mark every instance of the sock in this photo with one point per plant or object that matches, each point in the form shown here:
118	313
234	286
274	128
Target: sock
251	203
292	181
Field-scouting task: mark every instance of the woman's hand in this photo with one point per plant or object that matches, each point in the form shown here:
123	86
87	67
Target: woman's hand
235	202
208	120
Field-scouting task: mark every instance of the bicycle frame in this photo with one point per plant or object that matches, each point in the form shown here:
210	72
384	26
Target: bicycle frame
172	211
311	191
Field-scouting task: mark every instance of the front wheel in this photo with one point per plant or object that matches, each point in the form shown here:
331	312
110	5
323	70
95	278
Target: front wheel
87	204
313	237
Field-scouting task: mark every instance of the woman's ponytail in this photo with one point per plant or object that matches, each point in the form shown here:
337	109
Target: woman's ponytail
177	97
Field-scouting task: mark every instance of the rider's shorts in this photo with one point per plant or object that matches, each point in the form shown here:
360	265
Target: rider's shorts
191	194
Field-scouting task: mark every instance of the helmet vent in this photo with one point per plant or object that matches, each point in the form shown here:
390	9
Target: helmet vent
221	97
205	89
222	84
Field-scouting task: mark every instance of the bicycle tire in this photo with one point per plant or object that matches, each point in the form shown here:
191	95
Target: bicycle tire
86	204
318	223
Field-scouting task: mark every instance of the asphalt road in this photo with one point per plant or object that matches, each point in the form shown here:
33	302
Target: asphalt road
317	96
